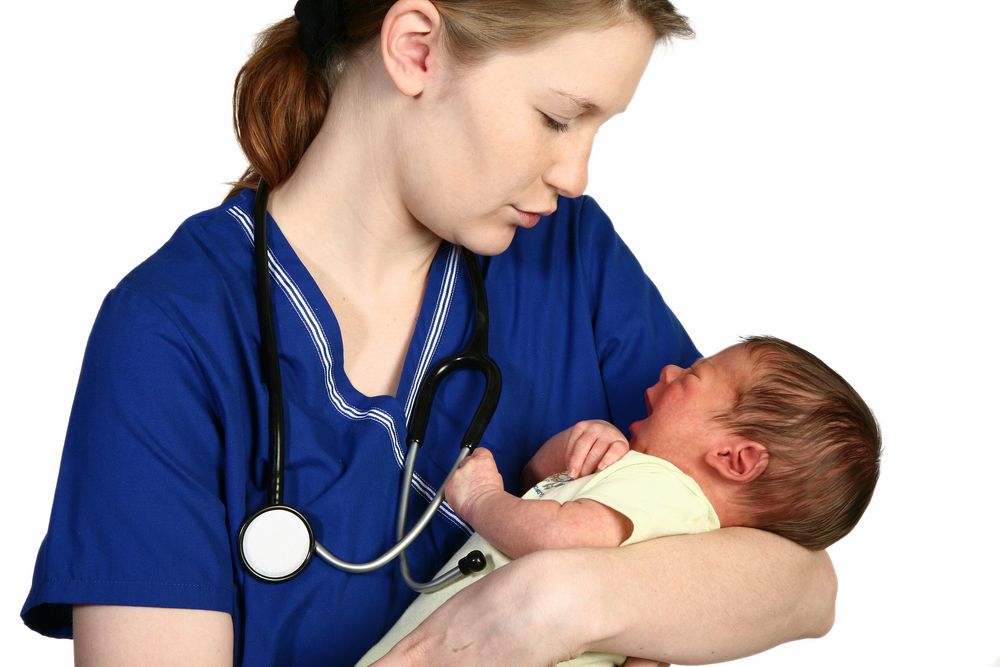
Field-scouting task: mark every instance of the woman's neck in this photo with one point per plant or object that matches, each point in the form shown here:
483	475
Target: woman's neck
342	205
342	213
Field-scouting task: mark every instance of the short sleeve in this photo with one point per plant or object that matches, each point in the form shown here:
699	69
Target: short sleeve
635	332
655	495
138	517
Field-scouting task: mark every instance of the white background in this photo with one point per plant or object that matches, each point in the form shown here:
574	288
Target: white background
824	172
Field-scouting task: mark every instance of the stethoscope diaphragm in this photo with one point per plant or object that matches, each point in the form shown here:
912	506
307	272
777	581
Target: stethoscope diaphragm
276	543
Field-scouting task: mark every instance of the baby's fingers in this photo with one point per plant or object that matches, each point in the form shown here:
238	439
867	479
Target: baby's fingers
615	451
603	454
580	451
594	456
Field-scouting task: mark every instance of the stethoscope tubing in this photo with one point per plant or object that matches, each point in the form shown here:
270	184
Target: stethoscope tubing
474	356
403	541
451	575
269	350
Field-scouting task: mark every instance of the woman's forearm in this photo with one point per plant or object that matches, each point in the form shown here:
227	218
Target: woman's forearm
686	599
710	597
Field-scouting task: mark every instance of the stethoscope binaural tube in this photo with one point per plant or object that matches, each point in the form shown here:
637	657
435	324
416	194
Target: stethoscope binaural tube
277	541
474	357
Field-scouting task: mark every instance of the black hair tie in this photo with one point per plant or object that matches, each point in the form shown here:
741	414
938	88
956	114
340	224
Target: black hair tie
321	24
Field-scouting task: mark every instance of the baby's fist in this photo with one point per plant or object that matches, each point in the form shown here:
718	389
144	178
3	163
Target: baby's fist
476	475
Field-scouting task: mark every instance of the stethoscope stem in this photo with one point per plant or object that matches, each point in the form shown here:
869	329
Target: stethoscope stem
473	562
412	534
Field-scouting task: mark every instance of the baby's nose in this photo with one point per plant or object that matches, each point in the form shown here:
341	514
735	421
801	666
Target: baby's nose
670	373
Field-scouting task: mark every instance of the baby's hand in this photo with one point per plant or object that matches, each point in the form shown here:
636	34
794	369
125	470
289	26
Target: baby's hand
476	475
593	445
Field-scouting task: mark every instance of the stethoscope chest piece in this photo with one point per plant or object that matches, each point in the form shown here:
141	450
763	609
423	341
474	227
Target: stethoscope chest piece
276	543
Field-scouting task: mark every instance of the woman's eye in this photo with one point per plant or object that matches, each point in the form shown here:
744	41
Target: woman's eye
554	124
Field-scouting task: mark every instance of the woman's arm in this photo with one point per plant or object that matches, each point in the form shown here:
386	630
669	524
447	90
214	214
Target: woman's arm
109	635
688	599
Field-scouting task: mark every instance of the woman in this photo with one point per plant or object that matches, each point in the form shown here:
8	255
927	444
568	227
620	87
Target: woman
391	133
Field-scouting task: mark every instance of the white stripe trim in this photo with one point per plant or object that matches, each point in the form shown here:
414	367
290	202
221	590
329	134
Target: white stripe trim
320	342
438	321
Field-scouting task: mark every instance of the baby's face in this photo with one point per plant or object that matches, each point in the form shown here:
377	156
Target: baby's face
683	403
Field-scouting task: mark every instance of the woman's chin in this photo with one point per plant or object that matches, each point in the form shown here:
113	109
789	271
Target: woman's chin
489	245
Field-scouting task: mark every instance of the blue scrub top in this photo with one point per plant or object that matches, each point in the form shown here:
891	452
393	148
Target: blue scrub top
166	450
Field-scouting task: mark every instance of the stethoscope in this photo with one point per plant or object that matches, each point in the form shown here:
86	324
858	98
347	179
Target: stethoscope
276	542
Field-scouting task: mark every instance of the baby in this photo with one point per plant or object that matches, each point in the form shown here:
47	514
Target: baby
762	434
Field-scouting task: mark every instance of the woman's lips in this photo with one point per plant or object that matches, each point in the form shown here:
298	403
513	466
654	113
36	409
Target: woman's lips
528	220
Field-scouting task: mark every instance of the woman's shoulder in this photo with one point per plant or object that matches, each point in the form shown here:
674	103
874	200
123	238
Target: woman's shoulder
205	257
197	287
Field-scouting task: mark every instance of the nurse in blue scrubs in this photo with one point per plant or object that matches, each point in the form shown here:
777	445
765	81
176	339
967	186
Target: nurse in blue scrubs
392	134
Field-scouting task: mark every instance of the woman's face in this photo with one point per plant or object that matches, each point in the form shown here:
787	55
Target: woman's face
508	134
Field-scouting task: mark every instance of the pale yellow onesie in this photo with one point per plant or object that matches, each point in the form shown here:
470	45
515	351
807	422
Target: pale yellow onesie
653	493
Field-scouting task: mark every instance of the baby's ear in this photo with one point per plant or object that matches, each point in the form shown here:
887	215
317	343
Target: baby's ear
738	459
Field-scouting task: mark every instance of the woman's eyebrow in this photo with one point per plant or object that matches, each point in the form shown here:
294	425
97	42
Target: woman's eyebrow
582	102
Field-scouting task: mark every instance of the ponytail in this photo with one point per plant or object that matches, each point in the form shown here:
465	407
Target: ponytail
279	102
281	94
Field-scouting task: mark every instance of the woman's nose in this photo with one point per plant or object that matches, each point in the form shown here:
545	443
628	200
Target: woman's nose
569	174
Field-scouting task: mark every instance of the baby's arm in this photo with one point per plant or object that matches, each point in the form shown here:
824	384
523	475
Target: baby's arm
584	448
516	526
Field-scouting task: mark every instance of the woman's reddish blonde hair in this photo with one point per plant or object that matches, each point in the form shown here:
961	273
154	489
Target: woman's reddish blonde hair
280	98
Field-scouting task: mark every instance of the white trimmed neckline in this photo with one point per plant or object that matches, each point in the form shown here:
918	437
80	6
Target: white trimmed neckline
321	344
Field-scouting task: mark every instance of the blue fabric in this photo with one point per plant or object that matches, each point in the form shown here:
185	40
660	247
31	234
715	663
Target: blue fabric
167	442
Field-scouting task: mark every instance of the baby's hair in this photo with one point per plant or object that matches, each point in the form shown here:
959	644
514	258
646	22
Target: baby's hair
823	441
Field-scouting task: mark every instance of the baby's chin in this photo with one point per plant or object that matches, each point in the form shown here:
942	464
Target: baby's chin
636	444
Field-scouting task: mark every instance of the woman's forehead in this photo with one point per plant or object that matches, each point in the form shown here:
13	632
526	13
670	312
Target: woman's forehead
594	71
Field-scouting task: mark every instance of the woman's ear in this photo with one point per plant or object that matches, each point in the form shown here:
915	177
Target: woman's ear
738	459
411	33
